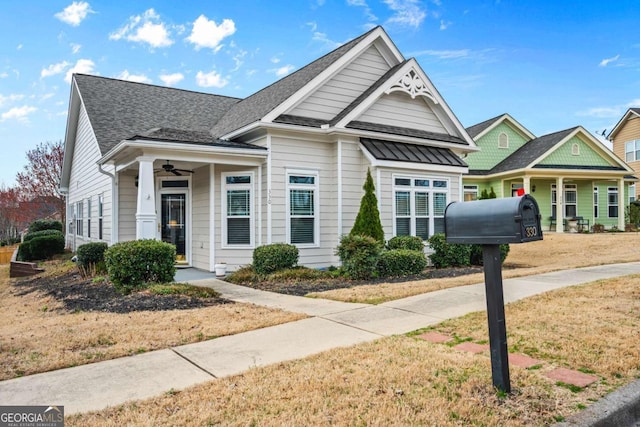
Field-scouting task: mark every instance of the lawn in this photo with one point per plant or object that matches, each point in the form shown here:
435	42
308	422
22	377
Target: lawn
404	380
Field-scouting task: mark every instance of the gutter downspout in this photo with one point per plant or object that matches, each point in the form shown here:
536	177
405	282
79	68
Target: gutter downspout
114	202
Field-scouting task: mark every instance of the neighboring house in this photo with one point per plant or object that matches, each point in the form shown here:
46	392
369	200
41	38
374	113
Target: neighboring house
594	182
219	176
625	137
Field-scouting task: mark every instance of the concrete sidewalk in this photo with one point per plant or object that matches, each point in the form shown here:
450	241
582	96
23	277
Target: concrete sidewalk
333	324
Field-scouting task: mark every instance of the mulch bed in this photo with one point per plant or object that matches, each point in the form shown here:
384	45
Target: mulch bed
78	294
304	288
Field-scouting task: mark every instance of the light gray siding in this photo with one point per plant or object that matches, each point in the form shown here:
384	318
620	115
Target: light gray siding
354	170
342	89
127	205
398	109
200	218
86	182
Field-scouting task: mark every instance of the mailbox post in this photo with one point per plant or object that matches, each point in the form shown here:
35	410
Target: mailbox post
493	222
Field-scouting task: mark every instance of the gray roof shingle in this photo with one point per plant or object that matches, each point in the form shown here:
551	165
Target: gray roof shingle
477	129
121	109
191	137
256	106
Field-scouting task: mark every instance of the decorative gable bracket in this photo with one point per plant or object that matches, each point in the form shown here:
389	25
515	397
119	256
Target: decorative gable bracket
412	84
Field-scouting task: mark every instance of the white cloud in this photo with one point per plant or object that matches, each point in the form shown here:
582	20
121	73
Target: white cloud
607	61
54	69
83	66
445	24
211	79
406	12
19	47
140	78
313	25
206	33
46	96
274	60
322	38
18	113
10	98
75	13
602	112
283	71
4	75
238	59
445	54
145	28
367	10
171	79
75	48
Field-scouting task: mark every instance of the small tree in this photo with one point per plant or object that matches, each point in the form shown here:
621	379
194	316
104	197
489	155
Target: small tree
484	194
492	194
368	219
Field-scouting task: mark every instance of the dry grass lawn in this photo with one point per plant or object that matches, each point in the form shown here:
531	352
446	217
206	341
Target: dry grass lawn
555	252
38	335
404	380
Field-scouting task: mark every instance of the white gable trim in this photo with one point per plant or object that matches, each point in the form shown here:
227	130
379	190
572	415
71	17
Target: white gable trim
378	37
592	141
506	118
621	123
418	78
413	85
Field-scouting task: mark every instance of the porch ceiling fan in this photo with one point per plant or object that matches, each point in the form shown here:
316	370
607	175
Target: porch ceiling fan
168	167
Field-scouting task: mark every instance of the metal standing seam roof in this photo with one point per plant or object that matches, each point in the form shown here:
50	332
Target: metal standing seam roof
403	152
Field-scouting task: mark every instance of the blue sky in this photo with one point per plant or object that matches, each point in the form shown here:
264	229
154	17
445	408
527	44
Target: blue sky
550	64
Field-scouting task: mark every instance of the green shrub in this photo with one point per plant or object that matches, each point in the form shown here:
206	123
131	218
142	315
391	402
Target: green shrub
42	247
413	243
91	258
45	224
132	265
274	257
298	274
32	234
448	254
476	254
401	262
359	255
367	221
243	276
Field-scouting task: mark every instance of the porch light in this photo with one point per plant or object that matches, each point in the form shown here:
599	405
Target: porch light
533	188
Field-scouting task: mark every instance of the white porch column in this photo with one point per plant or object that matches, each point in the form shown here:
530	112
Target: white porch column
526	184
622	204
559	205
146	208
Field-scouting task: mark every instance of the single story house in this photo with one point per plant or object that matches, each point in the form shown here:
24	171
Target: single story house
218	176
594	183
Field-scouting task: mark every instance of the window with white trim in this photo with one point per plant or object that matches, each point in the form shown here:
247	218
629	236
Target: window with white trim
100	213
302	207
632	151
612	201
237	227
470	193
419	206
632	193
89	217
595	202
79	218
503	140
570	200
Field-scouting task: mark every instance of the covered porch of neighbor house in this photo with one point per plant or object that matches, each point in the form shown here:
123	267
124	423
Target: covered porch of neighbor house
174	192
584	199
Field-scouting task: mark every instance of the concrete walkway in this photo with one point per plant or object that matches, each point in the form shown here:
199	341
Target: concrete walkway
333	324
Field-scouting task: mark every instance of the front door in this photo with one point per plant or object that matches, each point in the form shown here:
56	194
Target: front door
173	208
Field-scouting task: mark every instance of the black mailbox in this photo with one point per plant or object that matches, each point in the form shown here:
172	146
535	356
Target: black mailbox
493	221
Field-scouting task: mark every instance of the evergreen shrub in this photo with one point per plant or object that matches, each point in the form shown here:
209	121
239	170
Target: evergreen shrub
274	257
413	243
91	258
359	255
133	265
401	262
45	224
448	254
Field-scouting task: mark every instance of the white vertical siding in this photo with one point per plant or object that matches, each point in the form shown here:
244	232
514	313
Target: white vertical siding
335	95
398	109
87	182
200	218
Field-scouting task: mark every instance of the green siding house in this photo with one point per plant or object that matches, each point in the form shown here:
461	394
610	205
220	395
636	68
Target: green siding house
594	181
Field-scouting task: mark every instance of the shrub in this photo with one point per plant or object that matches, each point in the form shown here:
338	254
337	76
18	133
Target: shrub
42	247
91	258
274	257
32	234
45	224
476	254
298	274
412	243
359	255
132	265
401	262
367	221
243	276
598	228
448	254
